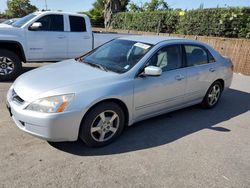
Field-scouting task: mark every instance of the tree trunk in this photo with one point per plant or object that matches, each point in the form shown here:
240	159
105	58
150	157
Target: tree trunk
111	7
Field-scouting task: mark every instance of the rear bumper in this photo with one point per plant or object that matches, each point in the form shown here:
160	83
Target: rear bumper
52	127
228	81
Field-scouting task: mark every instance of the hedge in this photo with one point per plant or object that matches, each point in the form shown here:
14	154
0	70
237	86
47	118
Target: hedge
223	22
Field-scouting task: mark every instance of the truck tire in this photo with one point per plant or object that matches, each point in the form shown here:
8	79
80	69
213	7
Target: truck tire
10	65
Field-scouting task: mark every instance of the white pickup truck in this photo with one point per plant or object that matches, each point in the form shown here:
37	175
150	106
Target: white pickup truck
45	36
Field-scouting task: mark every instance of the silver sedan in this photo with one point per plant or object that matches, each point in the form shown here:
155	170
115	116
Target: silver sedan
122	82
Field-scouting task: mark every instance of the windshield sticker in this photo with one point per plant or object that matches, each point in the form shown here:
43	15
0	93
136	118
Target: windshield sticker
126	67
141	45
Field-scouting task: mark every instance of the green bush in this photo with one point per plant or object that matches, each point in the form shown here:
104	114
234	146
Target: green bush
223	22
162	21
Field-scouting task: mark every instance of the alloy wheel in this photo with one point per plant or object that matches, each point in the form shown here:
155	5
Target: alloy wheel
105	126
6	65
214	95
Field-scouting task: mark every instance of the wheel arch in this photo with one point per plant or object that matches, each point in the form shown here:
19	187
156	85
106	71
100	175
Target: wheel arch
15	47
114	100
222	82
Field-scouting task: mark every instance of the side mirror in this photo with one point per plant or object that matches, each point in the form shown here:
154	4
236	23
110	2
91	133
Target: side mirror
36	26
152	71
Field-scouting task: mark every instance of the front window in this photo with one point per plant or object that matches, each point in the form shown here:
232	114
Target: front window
51	23
168	58
118	55
20	22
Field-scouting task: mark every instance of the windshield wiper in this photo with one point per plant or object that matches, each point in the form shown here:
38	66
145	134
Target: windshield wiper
94	65
100	67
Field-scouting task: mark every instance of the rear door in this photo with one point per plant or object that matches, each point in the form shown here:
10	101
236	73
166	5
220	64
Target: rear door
201	71
80	38
156	94
50	41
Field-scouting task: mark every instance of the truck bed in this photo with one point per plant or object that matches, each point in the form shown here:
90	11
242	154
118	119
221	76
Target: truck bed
101	38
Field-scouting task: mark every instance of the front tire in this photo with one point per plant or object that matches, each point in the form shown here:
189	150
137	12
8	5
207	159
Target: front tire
10	65
212	96
102	124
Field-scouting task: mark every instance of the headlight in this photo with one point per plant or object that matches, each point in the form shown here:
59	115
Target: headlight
52	104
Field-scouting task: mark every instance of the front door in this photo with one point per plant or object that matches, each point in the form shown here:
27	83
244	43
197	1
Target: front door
49	42
156	94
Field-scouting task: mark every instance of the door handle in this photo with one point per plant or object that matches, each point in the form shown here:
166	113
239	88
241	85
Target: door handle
61	37
179	77
212	69
86	37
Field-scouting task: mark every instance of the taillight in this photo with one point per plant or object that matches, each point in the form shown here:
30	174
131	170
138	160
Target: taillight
230	62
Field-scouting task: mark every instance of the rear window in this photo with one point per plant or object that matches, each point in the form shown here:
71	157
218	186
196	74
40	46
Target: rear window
210	58
77	24
197	55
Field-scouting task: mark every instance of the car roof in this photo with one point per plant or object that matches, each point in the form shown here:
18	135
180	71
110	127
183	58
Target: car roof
150	39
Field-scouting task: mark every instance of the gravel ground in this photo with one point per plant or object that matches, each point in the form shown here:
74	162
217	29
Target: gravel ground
187	148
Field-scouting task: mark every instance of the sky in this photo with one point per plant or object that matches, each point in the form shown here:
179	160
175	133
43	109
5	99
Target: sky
84	5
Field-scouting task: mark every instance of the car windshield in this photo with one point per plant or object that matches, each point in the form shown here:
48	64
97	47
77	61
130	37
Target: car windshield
117	55
20	22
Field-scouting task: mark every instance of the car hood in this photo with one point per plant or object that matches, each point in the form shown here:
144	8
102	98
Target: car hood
31	85
5	26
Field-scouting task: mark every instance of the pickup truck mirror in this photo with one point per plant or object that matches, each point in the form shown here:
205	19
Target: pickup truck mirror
36	26
152	71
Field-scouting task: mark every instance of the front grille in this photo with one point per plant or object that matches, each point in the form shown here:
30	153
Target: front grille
16	98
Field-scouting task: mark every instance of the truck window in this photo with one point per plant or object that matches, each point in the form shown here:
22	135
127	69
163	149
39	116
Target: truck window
51	23
77	24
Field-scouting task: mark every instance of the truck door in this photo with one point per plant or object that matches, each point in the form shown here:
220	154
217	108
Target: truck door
49	42
80	36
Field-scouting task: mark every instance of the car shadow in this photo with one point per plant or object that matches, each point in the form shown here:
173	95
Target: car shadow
167	128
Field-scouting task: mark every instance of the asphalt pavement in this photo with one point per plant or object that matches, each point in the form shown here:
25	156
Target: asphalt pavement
191	147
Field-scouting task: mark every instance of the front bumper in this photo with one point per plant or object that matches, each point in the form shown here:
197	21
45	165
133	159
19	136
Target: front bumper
52	127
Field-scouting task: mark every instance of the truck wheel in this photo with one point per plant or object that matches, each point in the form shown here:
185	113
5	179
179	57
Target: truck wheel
10	65
102	124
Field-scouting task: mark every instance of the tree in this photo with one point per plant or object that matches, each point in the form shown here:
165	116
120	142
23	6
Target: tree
2	15
153	5
201	6
104	9
96	14
124	4
111	7
134	8
19	8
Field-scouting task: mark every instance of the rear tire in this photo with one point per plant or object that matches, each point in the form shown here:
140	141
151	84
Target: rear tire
10	65
212	96
102	124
